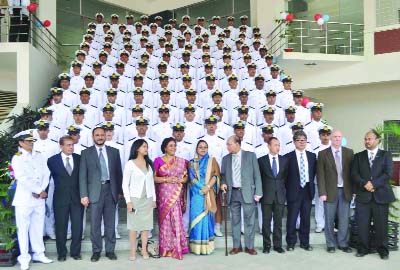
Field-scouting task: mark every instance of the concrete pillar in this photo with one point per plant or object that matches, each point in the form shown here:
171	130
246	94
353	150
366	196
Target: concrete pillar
369	27
264	12
47	10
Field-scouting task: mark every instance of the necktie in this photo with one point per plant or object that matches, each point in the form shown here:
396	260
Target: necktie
338	168
371	158
274	167
103	166
302	171
236	170
68	167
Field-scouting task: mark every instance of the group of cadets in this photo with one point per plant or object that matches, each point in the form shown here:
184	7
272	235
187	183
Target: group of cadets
141	80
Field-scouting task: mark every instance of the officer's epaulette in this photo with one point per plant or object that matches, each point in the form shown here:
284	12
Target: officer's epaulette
66	105
18	153
198	106
117	124
97	89
99	124
250	124
307	123
93	106
226	123
198	123
268	81
278	106
131	139
221	138
200	137
147	106
316	147
119	143
154	124
57	127
201	78
289	142
38	151
86	126
172	105
53	140
279	92
282	125
187	142
120	90
258	125
258	145
104	76
129	124
72	91
251	107
129	77
120	105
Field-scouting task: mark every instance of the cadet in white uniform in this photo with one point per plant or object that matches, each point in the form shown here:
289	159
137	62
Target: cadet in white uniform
32	174
193	129
267	132
302	114
311	128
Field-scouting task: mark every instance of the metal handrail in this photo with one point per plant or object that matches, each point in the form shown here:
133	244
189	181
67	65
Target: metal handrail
306	36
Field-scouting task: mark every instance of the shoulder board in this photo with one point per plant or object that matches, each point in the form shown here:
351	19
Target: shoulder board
282	125
226	123
118	125
251	107
119	143
288	143
187	142
279	92
104	76
131	139
38	151
259	125
315	148
154	124
307	123
221	138
86	126
94	106
249	143
98	124
128	124
56	127
278	106
152	140
268	81
198	106
120	105
53	140
172	105
258	145
18	153
84	146
200	137
250	124
198	124
66	105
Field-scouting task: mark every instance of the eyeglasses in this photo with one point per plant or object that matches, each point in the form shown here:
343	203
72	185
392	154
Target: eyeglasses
301	140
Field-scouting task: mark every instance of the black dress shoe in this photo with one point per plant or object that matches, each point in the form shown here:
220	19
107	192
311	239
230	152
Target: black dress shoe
290	248
346	249
360	254
279	250
384	256
61	258
95	257
111	256
306	247
76	257
330	250
266	250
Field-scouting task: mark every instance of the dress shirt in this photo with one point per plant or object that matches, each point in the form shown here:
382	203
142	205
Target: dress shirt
236	182
340	174
64	159
298	152
271	160
104	151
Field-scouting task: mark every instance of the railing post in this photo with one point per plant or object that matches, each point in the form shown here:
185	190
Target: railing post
350	41
301	36
326	38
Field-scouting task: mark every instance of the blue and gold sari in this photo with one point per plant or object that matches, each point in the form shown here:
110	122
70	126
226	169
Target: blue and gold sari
202	207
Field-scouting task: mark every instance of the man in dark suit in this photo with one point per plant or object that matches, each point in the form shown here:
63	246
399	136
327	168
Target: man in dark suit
273	170
300	191
335	190
64	168
371	172
100	184
240	178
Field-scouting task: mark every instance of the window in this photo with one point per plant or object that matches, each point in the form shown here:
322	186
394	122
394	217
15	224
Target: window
387	12
391	138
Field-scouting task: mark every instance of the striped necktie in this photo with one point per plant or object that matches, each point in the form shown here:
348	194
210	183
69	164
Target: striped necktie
302	171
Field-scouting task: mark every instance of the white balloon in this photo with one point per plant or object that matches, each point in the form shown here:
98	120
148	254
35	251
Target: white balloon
283	15
320	21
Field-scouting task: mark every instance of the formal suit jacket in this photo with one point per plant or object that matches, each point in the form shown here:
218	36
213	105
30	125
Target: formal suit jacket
379	174
66	187
251	179
293	176
327	175
273	186
90	173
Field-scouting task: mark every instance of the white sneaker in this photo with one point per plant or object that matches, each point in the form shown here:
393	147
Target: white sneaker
117	236
217	232
319	229
42	259
24	266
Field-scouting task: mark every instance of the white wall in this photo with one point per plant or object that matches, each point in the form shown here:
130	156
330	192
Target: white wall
152	6
356	109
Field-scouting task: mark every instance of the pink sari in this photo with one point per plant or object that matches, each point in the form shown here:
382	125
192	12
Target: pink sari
170	202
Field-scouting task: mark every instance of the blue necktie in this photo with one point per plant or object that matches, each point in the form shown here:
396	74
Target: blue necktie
302	171
274	167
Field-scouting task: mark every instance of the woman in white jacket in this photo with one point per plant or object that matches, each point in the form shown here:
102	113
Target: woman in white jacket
140	196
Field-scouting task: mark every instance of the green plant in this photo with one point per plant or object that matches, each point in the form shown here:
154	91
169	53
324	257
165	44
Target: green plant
23	121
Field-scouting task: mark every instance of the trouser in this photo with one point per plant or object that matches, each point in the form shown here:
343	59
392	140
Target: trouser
249	213
30	223
272	210
319	210
300	206
116	220
379	214
259	216
49	219
104	208
19	27
341	207
62	215
83	224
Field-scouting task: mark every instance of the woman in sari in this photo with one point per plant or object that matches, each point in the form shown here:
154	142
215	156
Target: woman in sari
170	177
204	177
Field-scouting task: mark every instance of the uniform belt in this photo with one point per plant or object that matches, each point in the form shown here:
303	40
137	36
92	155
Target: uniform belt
105	182
237	188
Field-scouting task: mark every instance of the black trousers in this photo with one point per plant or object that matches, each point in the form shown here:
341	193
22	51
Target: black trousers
379	213
61	217
301	206
274	210
19	27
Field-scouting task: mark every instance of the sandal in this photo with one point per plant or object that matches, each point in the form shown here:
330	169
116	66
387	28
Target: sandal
145	256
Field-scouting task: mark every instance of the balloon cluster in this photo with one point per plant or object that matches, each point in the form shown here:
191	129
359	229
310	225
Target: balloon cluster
321	19
288	17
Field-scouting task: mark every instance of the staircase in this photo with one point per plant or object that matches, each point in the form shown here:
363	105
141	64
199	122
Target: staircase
8	100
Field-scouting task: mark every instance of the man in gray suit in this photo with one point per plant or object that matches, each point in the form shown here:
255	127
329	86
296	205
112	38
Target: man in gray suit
240	178
100	185
335	190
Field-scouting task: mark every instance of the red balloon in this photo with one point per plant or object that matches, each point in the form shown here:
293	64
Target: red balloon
32	7
290	17
317	16
46	23
305	101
